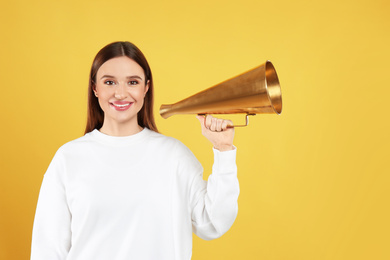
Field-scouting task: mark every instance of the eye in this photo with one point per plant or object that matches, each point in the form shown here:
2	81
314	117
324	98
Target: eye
133	82
109	82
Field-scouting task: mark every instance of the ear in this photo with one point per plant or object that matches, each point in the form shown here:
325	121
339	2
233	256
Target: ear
146	87
94	90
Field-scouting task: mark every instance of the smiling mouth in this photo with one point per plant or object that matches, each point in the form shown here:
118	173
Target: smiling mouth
121	107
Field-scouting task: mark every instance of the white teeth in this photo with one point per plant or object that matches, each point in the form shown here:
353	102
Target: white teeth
124	105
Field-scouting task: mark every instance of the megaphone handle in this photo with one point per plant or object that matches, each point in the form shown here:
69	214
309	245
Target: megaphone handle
233	126
246	122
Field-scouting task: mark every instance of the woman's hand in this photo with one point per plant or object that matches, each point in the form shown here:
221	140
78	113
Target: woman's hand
217	132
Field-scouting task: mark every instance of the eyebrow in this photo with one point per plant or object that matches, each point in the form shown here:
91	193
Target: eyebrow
128	77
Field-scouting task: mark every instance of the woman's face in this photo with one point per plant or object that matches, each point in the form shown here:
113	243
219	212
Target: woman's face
121	88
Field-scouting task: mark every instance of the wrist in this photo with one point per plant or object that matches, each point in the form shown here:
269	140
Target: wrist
223	148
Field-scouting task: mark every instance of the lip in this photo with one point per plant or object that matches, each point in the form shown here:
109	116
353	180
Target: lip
121	105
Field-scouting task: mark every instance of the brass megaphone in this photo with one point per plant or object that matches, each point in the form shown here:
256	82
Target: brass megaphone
254	92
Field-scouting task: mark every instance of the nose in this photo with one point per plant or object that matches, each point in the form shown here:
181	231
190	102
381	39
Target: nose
120	91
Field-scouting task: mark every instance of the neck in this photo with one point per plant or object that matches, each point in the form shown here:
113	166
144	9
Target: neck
120	129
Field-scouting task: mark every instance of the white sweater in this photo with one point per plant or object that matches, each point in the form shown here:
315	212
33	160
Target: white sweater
135	197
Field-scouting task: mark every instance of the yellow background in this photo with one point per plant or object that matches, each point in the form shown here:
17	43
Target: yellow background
314	180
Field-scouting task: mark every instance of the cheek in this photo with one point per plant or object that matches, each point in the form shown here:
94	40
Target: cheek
140	94
103	98
102	104
103	93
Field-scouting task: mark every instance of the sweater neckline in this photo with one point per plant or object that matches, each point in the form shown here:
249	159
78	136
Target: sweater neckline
119	140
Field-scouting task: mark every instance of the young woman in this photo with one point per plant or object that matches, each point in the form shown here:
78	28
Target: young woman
123	191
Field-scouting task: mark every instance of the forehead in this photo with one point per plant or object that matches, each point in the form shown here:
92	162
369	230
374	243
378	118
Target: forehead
121	67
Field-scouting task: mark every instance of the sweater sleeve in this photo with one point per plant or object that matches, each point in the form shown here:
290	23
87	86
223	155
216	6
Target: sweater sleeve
214	203
51	238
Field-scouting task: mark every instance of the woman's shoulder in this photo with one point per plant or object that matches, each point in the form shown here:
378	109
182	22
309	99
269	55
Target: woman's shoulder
164	140
75	145
169	145
159	142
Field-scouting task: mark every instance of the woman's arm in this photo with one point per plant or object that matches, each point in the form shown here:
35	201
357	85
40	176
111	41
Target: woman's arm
51	239
214	203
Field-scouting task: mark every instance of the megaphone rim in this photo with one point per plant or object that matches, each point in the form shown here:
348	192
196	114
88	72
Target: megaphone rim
272	84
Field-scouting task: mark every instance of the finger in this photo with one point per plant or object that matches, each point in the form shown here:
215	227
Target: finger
219	125
208	121
201	119
213	125
226	123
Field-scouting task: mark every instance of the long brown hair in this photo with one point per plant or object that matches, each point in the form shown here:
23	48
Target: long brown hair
95	115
